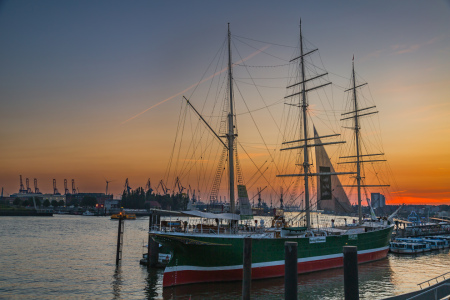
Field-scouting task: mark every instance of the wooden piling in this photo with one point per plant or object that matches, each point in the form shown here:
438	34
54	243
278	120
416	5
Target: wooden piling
150	226
351	288
247	269
290	270
153	247
119	240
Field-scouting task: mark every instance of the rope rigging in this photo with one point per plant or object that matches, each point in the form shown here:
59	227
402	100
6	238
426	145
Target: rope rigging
197	156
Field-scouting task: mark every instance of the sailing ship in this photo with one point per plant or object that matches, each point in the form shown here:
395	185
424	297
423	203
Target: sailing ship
214	253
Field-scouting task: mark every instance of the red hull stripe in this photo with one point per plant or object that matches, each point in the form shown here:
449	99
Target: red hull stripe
190	274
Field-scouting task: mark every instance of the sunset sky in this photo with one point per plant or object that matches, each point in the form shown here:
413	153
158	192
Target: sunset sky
77	79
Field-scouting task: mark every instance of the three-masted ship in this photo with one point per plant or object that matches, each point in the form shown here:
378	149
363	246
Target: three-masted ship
215	253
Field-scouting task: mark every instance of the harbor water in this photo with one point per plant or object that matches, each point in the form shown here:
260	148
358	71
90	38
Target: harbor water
73	257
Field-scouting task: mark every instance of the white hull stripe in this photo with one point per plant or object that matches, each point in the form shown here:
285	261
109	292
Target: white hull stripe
265	264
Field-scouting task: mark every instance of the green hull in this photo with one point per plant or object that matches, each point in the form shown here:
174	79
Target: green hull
207	257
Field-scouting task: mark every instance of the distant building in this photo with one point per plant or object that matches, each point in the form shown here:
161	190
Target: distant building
43	197
101	198
377	200
51	197
112	204
154	204
7	200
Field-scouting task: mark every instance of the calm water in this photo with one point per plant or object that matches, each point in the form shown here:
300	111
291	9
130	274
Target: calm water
73	257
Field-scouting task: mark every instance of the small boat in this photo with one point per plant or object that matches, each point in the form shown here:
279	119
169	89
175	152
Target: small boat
436	244
88	213
440	237
124	216
408	248
164	257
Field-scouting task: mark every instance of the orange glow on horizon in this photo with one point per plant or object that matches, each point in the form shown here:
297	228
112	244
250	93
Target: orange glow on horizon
409	200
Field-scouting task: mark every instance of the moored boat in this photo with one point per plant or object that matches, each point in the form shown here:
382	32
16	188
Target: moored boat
124	216
409	248
164	257
434	243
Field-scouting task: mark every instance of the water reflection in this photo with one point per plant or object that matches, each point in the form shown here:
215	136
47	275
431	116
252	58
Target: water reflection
117	282
76	268
154	283
328	284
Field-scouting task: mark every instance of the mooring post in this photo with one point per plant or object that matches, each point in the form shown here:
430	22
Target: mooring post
150	226
119	239
290	270
351	288
247	270
153	247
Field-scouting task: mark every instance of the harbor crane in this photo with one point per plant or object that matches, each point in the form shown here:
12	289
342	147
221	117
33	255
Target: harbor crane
66	190
259	195
36	189
191	191
180	187
28	186
55	190
164	188
22	189
148	186
74	191
127	187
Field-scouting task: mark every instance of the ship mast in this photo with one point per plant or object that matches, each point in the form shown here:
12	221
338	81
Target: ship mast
231	136
304	106
356	111
358	154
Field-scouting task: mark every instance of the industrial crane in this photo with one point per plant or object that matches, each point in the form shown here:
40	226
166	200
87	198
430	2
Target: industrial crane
36	189
148	186
66	190
28	186
74	191
55	190
180	187
164	187
259	196
191	191
22	189
127	187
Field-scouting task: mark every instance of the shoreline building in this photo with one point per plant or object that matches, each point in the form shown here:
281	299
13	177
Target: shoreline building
377	200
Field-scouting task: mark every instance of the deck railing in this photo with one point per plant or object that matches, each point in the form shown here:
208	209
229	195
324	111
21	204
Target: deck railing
435	278
434	291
